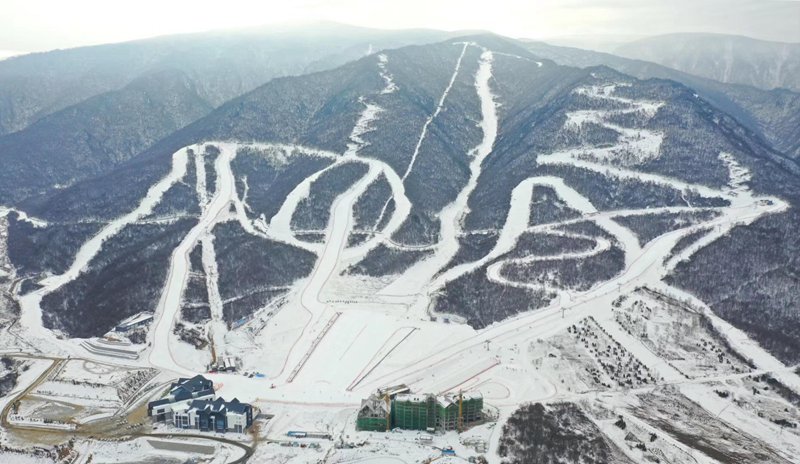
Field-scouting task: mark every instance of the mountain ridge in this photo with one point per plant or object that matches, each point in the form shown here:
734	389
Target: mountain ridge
726	58
459	218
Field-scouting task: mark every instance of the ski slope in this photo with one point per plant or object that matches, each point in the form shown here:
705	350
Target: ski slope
335	338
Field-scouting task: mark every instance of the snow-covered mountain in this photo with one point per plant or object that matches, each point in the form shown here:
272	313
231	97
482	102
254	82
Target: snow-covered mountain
73	114
725	58
464	215
773	114
221	64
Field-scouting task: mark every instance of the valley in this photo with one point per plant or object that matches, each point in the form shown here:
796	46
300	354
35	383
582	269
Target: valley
574	312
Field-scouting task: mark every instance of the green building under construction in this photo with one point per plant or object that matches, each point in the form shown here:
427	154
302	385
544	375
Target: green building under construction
420	412
374	415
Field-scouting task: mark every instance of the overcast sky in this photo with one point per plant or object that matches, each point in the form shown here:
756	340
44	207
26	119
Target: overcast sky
34	25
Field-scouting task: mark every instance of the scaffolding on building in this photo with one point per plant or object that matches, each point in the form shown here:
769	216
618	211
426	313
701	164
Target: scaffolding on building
425	412
374	414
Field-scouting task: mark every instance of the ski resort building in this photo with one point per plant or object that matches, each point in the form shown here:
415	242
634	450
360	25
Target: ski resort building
181	392
419	412
190	404
137	320
215	416
225	364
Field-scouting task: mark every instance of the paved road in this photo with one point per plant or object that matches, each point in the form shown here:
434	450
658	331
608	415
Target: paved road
248	451
34	384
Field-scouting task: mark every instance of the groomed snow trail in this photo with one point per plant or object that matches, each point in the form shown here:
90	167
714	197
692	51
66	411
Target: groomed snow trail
170	302
451	217
90	249
438	110
200	185
30	304
340	352
217	328
424	131
280	226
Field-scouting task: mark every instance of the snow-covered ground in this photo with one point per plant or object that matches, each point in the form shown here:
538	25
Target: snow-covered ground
21	458
393	342
173	449
335	338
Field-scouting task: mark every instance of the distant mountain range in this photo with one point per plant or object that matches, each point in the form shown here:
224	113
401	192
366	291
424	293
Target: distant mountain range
103	104
546	197
725	58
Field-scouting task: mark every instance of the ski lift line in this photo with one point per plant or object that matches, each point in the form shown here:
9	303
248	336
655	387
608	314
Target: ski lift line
359	378
313	347
494	364
424	132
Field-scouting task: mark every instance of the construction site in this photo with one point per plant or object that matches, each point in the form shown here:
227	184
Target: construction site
397	407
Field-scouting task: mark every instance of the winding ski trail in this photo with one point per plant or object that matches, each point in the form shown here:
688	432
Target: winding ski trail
346	336
160	354
30	303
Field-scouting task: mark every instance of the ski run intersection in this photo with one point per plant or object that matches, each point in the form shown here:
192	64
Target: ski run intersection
338	337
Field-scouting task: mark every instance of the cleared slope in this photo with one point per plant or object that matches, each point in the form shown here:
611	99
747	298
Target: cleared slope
775	114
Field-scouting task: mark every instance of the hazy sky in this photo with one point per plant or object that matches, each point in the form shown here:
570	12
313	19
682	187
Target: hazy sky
32	25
